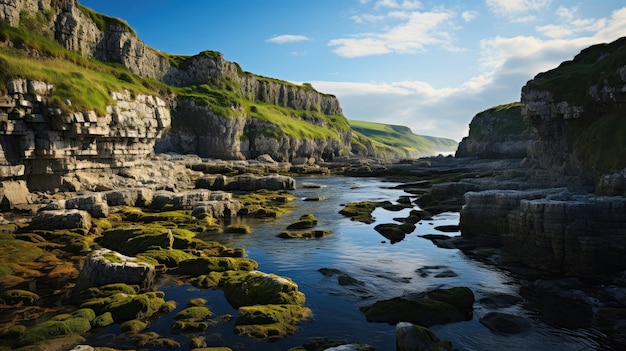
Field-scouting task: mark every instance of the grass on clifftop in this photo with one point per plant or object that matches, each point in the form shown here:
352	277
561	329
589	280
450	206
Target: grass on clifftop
506	121
87	83
402	139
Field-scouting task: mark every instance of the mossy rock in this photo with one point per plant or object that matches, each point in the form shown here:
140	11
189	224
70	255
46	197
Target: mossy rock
425	312
408	335
360	211
13	332
193	313
168	306
16	296
211	280
108	290
258	288
304	234
86	313
460	297
132	241
168	257
189	326
103	320
270	322
52	329
306	221
198	301
16	251
164	342
238	229
66	342
124	307
205	265
316	198
133	326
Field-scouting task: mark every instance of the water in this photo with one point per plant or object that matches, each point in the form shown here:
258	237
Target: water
385	270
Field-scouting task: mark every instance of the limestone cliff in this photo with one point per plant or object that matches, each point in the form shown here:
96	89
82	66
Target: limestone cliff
50	148
206	87
498	132
578	110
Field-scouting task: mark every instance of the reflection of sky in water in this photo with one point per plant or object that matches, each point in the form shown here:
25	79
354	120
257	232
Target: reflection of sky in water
385	271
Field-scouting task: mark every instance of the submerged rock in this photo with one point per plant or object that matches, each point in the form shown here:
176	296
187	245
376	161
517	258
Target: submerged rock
411	337
504	323
441	306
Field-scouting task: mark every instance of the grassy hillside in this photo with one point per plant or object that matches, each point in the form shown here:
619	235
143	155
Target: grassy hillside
402	139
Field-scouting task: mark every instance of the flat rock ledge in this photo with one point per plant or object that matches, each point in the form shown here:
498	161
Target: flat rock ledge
105	266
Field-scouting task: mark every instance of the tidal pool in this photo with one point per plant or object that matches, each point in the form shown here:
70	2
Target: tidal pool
384	270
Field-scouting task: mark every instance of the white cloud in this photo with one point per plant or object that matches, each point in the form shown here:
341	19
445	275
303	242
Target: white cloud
571	24
468	16
517	10
406	4
287	38
421	29
367	18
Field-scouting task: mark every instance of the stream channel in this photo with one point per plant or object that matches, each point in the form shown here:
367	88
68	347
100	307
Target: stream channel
385	270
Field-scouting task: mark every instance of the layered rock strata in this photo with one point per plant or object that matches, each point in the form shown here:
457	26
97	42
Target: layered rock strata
47	146
552	230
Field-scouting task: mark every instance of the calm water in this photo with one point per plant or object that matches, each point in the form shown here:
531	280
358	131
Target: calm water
386	271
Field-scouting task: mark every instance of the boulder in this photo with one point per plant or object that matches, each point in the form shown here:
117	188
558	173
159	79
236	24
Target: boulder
504	323
442	306
243	288
61	219
14	193
104	266
95	204
411	337
134	197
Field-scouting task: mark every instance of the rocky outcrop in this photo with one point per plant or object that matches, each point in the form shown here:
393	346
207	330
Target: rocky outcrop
47	146
551	230
104	266
577	110
498	132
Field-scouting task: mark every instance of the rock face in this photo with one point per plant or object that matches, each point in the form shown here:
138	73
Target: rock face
197	129
580	125
499	132
104	267
551	230
48	147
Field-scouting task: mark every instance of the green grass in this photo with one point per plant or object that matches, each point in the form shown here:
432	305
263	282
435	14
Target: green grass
401	139
104	22
506	120
87	83
571	80
601	143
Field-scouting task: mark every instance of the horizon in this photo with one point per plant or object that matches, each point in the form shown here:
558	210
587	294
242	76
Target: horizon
427	65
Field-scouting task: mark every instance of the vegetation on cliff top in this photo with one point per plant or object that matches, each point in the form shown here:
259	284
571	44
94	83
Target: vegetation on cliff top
598	137
504	120
401	139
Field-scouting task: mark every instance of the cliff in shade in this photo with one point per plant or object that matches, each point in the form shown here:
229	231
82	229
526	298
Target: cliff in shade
579	113
498	132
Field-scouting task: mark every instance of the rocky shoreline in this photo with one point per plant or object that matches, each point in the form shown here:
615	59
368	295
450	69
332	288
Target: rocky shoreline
111	240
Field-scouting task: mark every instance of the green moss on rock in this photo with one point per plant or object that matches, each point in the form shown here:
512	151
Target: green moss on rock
258	288
16	296
360	211
304	234
238	229
205	265
54	329
133	326
193	313
103	320
306	221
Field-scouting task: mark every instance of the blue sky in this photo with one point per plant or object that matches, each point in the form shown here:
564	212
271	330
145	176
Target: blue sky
428	65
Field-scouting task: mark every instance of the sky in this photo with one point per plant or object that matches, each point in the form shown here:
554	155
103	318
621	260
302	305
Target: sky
427	65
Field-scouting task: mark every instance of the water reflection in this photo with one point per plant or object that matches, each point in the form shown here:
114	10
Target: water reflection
382	270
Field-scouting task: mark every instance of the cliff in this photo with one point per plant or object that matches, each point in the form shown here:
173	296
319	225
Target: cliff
499	132
578	110
217	109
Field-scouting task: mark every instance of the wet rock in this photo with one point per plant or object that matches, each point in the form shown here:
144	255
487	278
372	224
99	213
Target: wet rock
441	306
306	221
270	322
394	232
411	337
304	234
504	323
500	300
257	288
